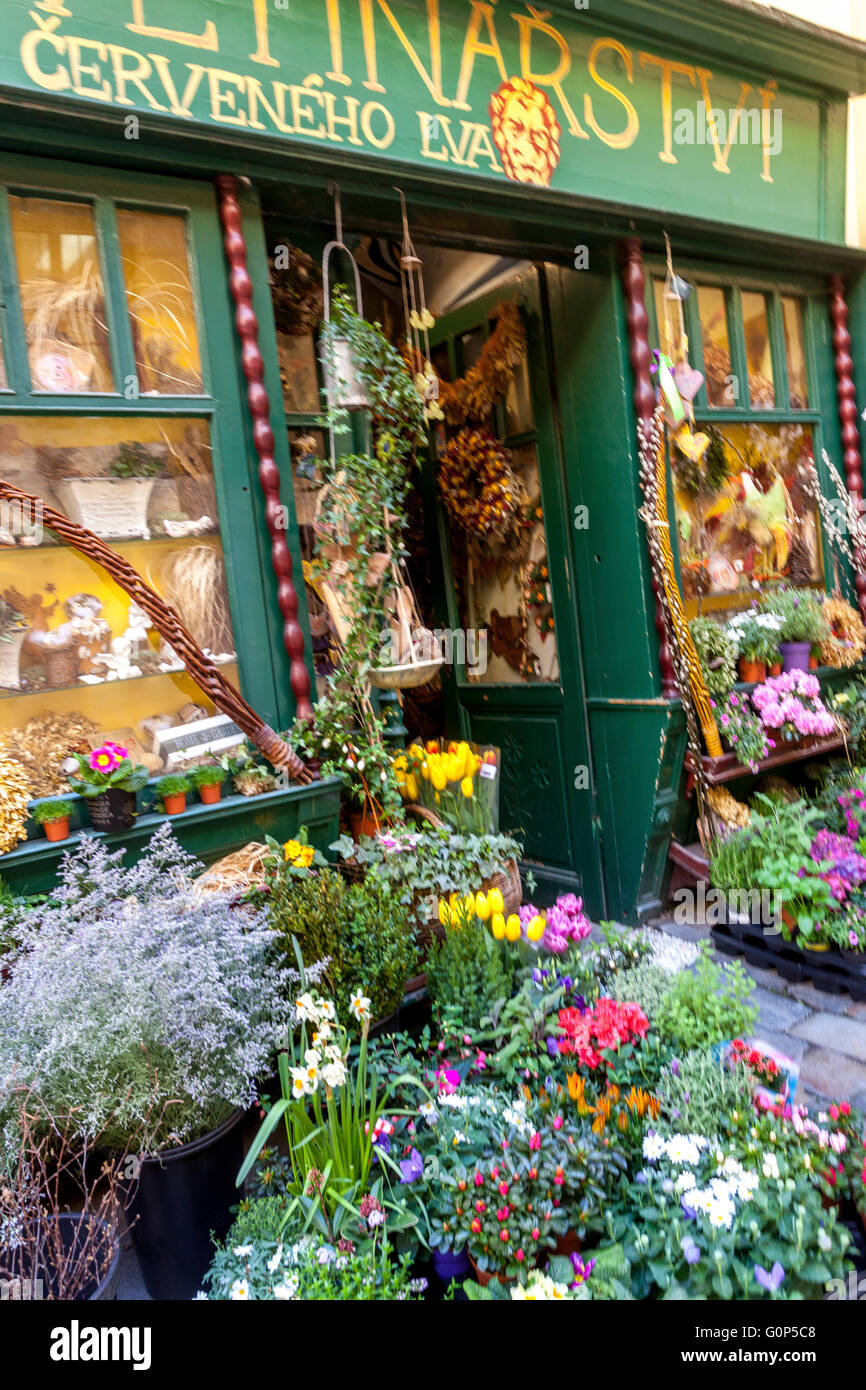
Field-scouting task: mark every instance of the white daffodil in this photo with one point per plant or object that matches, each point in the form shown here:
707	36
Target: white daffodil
327	1010
312	1057
359	1007
334	1075
300	1083
306	1008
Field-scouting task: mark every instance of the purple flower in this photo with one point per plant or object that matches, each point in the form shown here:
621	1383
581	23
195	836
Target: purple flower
691	1251
581	1271
675	1067
411	1168
772	1282
552	1047
688	1212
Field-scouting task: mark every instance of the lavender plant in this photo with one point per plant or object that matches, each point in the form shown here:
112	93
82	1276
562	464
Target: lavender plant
138	1004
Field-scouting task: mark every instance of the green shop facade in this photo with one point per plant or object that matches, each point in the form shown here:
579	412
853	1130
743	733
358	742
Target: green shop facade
171	147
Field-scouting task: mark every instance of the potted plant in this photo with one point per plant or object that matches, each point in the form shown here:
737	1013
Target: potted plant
716	653
108	779
171	1004
207	779
755	636
171	791
801	623
53	816
13	630
114	505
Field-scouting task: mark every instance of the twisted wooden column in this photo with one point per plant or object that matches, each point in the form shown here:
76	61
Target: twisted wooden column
643	395
847	399
263	437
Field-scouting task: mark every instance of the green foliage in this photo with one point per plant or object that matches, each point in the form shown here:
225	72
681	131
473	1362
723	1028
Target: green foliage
433	861
753	638
785	831
469	971
701	1094
207	775
134	461
645	984
47	811
716	653
707	1005
735	861
173	784
801	614
850	703
363	929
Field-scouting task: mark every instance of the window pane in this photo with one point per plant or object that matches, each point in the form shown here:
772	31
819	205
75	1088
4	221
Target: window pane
717	347
160	302
795	353
62	295
299	373
83	663
756	526
762	394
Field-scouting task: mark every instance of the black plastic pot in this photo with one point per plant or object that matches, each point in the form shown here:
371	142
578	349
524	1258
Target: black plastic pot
113	809
182	1196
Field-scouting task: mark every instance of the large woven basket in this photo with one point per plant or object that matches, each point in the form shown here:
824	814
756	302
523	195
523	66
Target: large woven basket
507	881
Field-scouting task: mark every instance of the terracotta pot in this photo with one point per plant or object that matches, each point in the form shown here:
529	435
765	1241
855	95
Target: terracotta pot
775	669
210	793
364	823
752	671
567	1245
485	1275
173	805
813	663
56	829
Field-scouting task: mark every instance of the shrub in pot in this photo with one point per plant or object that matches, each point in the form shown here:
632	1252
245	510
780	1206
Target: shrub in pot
148	1011
53	816
108	779
756	638
171	791
801	624
716	653
207	780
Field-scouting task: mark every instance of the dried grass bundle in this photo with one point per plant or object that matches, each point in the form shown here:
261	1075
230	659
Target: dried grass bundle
68	315
193	581
43	743
14	798
235	873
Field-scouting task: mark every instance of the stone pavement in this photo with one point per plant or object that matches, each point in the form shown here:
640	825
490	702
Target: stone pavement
824	1033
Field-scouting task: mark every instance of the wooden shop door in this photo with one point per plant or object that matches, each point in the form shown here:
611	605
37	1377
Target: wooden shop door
522	692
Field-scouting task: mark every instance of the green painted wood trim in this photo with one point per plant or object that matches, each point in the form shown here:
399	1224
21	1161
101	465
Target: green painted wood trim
120	345
14	336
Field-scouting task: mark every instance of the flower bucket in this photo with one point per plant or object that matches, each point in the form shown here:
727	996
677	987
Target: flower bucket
752	672
451	1264
10	657
364	824
112	508
182	1196
56	829
795	655
175	804
210	793
102	1283
775	669
114	809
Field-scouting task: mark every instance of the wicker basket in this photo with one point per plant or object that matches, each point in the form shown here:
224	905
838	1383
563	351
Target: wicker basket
507	881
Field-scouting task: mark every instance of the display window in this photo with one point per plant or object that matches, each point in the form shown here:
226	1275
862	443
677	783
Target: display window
744	520
108	417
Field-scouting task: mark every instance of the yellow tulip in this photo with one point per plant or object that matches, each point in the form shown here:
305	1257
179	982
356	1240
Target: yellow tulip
497	925
481	906
401	763
469	904
512	927
444	913
494	897
535	929
454	767
425	771
467	787
416	751
412	787
438	777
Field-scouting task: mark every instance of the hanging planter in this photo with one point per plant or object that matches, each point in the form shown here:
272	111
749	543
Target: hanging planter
418	654
344	384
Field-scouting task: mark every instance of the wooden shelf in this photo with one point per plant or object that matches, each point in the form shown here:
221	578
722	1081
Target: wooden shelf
114	541
7	693
728	768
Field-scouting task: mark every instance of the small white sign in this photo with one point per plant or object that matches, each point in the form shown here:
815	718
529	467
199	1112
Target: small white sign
183	743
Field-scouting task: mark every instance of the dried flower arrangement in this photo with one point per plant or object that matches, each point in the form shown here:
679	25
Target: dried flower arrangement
42	745
472	396
193	581
297	294
848	641
478	486
14	799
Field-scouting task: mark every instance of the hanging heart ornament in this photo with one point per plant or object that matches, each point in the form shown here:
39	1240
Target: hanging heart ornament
688	380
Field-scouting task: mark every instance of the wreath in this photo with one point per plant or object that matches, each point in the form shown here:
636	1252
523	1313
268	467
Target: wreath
473	396
478	488
297	295
848	641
